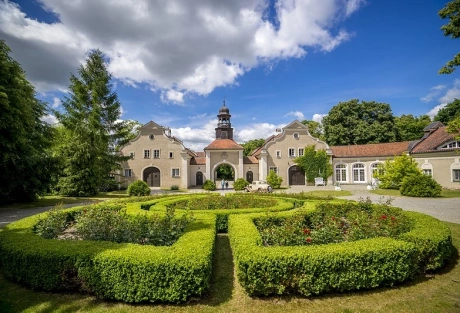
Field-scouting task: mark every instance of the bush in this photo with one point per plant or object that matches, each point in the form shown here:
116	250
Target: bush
209	185
274	180
139	188
240	183
392	172
174	187
420	185
53	224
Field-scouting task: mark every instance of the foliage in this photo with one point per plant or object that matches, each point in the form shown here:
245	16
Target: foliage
314	164
333	223
420	185
251	145
449	113
90	115
139	188
53	224
274	180
26	163
393	171
451	11
409	127
209	185
240	183
217	202
174	187
225	171
315	129
124	272
128	131
454	127
352	122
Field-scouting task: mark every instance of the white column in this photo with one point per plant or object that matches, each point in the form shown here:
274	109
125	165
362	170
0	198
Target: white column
208	165
240	165
263	165
184	170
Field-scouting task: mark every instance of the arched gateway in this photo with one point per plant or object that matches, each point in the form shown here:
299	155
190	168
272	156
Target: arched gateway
296	176
152	176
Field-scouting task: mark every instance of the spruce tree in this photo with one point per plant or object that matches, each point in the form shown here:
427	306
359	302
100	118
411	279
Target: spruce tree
25	164
90	115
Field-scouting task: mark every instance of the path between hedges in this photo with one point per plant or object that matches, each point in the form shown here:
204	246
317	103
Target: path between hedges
445	209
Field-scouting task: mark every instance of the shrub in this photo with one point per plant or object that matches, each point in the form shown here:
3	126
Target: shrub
174	187
240	183
53	224
392	172
139	188
420	185
274	180
209	185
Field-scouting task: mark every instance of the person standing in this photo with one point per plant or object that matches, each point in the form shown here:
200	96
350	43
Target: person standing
222	183
226	184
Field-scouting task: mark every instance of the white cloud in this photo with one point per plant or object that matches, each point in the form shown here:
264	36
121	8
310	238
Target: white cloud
56	102
450	95
177	48
434	92
50	119
299	115
256	131
435	110
318	117
196	138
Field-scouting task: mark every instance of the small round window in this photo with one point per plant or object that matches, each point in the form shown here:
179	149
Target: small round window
296	135
151	136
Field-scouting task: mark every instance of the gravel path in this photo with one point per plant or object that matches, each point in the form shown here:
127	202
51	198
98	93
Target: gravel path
445	209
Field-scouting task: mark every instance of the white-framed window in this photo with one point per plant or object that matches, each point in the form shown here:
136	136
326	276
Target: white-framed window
341	172
128	172
171	155
451	145
374	168
146	154
428	171
278	154
175	172
131	155
273	168
296	135
301	152
156	154
456	175
359	173
291	152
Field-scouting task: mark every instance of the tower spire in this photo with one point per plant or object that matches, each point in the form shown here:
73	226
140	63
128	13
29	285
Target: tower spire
224	128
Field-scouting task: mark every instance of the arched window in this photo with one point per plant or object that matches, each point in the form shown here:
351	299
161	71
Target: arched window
374	168
359	173
341	173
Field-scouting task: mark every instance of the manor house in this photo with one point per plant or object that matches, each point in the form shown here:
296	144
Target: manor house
162	160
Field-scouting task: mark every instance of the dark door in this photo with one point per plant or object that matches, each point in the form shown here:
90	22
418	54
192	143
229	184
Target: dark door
296	176
199	179
152	176
249	176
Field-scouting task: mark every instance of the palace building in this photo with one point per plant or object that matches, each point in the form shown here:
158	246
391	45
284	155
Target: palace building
162	160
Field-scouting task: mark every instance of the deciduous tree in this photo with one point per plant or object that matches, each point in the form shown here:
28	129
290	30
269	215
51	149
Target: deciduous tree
451	11
449	112
314	128
393	171
251	145
409	127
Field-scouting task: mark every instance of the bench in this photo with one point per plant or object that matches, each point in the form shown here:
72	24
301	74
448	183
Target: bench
319	181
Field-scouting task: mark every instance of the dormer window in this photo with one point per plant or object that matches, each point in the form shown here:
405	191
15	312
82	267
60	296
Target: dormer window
450	145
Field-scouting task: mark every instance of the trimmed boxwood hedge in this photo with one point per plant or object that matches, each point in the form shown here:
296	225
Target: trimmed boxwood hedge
126	272
345	266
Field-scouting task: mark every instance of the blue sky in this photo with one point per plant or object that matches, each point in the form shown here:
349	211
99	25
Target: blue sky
174	62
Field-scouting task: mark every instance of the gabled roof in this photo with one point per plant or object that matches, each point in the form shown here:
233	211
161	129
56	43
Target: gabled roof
151	125
250	160
371	150
295	125
223	144
199	159
433	140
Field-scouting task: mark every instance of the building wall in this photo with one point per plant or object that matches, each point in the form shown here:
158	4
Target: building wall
230	157
441	165
352	164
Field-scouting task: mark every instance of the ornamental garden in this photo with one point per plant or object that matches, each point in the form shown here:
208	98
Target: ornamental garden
160	248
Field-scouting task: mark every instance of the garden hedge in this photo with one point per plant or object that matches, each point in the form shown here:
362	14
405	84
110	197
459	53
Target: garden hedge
126	272
345	266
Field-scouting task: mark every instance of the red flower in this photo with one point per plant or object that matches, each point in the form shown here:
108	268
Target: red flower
308	239
333	218
384	217
393	218
306	231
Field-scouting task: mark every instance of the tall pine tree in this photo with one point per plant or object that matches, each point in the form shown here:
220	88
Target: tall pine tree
25	164
90	116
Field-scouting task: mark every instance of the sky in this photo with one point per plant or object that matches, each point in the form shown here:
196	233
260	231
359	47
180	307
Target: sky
175	62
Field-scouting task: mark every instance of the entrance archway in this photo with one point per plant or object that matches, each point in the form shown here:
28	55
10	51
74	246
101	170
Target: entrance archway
250	176
152	176
199	178
296	176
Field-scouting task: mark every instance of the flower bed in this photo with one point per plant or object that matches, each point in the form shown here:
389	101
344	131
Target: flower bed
120	271
316	269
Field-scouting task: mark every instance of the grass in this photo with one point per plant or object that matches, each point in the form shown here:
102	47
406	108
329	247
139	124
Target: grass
329	193
445	193
438	292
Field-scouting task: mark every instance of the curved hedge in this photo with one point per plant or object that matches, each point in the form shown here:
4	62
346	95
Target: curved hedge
335	267
126	272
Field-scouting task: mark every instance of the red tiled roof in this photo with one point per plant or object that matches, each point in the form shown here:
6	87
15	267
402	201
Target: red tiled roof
250	160
433	140
370	150
200	159
223	144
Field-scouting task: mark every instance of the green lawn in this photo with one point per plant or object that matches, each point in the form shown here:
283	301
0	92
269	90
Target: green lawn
395	193
439	292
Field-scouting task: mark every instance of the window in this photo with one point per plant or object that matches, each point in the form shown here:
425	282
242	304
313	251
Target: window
151	136
278	154
456	175
175	172
451	145
291	152
374	169
341	173
156	154
146	154
171	155
427	172
358	173
273	168
300	151
131	155
128	172
296	135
